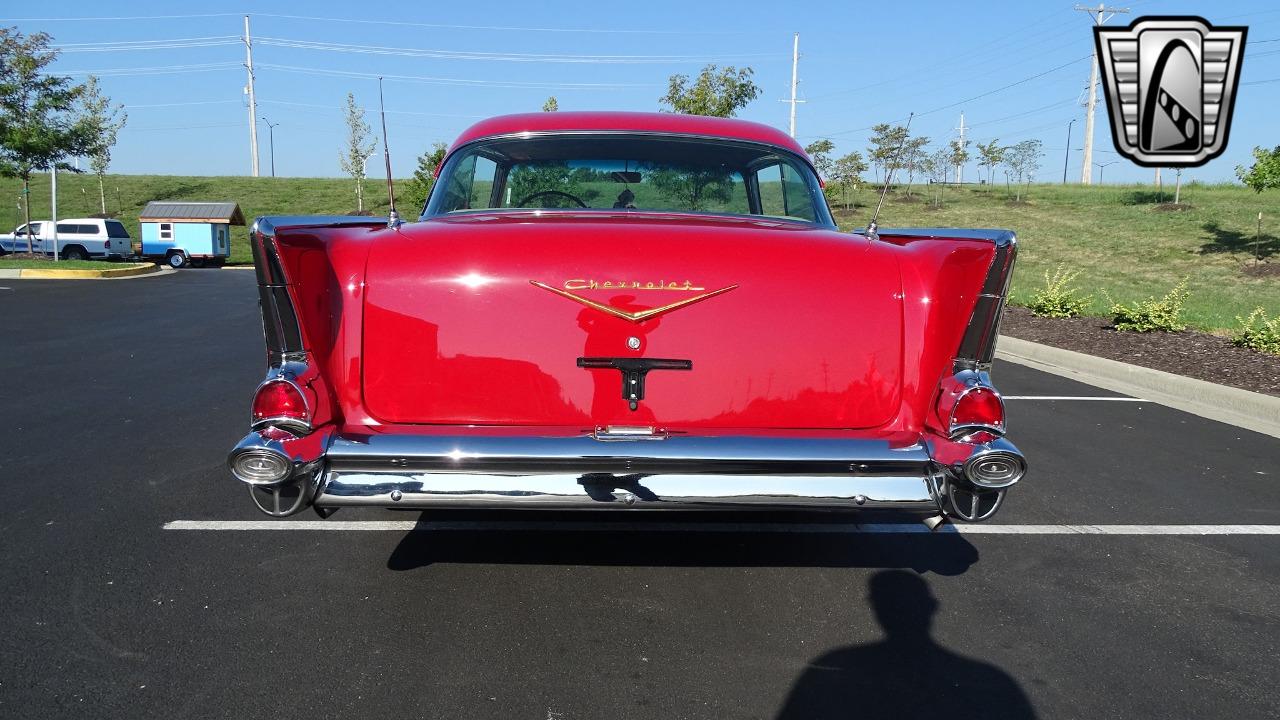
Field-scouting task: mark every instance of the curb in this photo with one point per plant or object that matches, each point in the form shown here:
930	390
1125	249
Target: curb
42	274
1250	410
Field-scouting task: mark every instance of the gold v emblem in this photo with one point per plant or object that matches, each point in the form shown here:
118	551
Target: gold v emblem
638	316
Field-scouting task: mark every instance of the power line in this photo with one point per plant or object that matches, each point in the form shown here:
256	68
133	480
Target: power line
130	45
179	104
1002	88
595	31
402	23
497	56
120	17
1050	106
429	80
152	70
390	112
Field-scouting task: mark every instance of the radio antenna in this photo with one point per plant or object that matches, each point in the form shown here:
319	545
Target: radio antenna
872	227
393	217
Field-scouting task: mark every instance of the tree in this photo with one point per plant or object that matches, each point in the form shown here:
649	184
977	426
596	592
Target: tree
551	105
360	147
716	92
847	172
1264	174
959	155
693	189
912	156
424	177
884	142
820	151
1024	161
935	165
39	125
106	121
989	156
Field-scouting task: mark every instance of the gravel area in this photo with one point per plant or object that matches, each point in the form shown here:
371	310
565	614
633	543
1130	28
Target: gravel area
1194	354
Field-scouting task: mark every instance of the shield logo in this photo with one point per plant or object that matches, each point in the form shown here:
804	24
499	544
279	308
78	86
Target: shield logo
1170	84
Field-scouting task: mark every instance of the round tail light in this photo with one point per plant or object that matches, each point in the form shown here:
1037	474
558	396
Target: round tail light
280	402
978	407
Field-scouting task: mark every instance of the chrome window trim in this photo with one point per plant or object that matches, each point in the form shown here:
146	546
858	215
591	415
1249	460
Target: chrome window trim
819	208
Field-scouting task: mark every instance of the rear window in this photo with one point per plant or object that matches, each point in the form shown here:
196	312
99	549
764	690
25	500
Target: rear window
115	229
630	173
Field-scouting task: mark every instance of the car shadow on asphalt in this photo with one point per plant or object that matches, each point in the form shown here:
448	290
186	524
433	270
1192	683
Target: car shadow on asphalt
631	544
907	674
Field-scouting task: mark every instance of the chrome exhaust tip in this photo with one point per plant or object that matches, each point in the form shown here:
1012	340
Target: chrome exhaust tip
261	466
995	469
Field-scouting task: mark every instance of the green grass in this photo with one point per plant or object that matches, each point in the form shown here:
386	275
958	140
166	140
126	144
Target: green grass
1112	234
1118	240
29	263
128	194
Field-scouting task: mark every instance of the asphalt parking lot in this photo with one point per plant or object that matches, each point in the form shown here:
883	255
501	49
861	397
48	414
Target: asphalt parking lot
121	398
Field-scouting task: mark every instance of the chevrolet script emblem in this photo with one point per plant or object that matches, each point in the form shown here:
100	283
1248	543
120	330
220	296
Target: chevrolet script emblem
639	315
1170	84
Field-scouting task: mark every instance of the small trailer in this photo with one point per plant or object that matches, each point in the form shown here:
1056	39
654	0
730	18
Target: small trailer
181	233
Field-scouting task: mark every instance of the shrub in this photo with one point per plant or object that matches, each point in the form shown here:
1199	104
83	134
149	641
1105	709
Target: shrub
1258	333
1058	298
1151	314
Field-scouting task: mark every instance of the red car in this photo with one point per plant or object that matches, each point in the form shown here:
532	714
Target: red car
633	311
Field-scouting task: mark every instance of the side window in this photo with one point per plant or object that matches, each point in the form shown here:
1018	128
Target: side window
796	193
222	238
115	229
166	231
68	229
773	200
470	184
35	229
783	192
486	172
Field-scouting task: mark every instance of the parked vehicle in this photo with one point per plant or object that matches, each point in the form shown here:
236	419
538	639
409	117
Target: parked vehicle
181	233
631	311
78	239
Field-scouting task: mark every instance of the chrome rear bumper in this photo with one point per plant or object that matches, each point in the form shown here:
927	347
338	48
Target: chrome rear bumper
676	472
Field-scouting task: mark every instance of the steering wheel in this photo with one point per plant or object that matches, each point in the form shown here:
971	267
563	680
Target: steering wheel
551	192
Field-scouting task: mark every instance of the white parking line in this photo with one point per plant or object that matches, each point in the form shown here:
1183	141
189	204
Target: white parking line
840	528
1073	397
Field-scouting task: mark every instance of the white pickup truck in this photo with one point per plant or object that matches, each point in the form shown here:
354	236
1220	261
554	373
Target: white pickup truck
78	239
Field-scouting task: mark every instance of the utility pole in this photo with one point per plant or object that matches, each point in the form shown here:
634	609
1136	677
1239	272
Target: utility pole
1067	158
795	70
1103	166
271	140
253	102
1100	17
53	194
960	166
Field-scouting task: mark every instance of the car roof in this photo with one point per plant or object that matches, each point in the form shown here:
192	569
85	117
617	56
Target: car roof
672	123
77	220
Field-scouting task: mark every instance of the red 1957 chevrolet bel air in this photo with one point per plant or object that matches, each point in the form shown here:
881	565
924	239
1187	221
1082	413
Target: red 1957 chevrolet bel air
634	311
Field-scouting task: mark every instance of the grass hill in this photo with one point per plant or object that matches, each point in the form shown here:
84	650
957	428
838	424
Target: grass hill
1121	239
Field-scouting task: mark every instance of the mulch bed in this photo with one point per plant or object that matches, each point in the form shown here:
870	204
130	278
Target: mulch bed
1194	354
1262	270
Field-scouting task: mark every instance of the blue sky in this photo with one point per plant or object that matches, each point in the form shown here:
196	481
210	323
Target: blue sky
450	64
